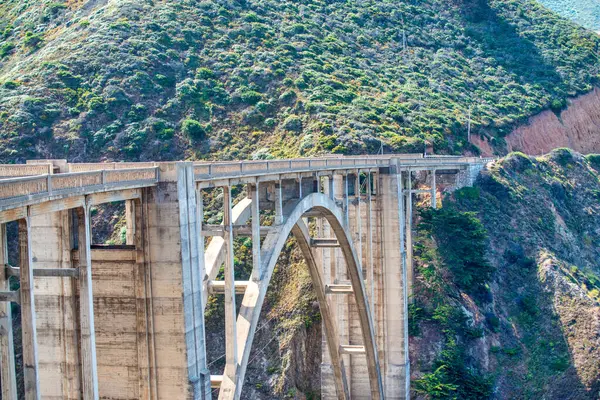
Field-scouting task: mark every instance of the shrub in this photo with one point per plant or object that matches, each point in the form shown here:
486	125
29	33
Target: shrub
288	98
32	40
96	104
462	243
11	85
193	129
6	49
435	385
594	160
293	123
250	97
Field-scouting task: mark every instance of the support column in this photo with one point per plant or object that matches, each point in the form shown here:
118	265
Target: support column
28	315
257	272
278	204
191	281
7	351
130	222
203	372
231	351
409	243
358	243
143	300
370	265
57	305
397	373
327	256
175	286
345	200
339	273
89	375
433	190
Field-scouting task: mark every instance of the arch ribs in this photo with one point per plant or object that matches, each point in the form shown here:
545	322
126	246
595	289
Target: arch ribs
255	292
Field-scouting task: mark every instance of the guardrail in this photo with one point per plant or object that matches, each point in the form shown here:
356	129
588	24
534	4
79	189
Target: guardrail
89	178
208	171
445	159
85	167
221	170
15	170
20	190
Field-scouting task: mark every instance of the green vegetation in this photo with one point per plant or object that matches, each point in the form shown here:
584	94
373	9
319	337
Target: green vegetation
532	313
462	242
293	77
584	12
451	255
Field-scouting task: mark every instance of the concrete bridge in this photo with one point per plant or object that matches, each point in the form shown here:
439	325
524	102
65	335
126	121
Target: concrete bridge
127	322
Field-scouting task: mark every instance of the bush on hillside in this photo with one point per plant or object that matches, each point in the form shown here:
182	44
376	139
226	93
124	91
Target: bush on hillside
193	129
462	241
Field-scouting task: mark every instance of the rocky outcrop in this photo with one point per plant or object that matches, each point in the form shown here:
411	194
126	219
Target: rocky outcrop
577	127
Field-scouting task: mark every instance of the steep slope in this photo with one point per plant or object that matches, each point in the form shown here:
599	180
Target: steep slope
139	79
576	127
584	12
508	292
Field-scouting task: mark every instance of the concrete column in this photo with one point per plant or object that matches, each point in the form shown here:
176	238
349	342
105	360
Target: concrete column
28	314
409	242
257	272
231	352
397	375
203	386
278	204
7	352
327	257
130	222
358	377
89	368
378	272
56	305
369	256
171	254
345	200
339	274
147	379
433	190
357	196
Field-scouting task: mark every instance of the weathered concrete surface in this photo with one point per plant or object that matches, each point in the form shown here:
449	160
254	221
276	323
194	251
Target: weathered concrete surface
56	307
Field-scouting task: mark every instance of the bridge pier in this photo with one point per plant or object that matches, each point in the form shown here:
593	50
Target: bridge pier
7	350
395	270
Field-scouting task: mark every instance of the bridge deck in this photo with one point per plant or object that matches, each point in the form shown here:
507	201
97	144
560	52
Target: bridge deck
26	185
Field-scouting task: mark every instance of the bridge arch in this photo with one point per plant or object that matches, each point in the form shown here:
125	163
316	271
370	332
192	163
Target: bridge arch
255	293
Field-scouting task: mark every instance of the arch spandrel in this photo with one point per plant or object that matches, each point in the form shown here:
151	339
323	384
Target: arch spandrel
254	296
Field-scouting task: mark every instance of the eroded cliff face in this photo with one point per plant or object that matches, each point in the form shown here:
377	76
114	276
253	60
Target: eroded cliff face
576	127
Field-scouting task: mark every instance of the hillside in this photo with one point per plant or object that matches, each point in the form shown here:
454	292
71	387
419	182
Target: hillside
584	12
508	292
148	79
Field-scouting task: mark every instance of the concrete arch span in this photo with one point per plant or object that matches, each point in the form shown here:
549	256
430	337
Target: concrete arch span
255	293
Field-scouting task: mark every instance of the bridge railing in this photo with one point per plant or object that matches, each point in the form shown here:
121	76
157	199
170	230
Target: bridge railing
20	190
16	170
83	167
207	171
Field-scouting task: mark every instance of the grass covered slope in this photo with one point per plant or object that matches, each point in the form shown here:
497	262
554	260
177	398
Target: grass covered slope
138	79
584	12
508	290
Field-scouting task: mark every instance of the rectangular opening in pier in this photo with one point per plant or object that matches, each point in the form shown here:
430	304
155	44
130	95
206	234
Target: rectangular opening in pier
109	223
